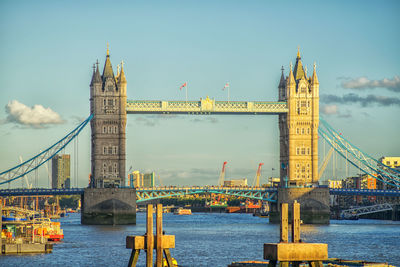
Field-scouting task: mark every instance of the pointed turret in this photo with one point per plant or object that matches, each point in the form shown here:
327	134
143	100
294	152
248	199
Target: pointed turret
291	77
298	68
96	78
108	71
314	78
122	78
282	81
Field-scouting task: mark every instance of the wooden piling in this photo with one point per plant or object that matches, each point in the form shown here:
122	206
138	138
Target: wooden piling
284	223
162	243
296	222
149	236
159	250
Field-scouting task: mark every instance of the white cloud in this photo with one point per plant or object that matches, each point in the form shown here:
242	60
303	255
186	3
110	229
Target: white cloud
36	116
364	83
329	109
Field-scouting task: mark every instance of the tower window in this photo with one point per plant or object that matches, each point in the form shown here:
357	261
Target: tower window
104	129
104	150
110	88
303	150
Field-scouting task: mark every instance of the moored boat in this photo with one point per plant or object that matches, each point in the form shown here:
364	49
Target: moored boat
182	211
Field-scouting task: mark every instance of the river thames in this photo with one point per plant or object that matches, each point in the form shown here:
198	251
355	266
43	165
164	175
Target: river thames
213	239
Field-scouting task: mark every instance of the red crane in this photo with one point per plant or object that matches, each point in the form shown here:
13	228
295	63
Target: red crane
258	174
222	175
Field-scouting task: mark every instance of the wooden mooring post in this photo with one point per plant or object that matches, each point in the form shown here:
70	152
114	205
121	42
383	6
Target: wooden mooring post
162	243
294	252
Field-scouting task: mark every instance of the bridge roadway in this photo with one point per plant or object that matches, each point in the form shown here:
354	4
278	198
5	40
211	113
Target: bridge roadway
150	193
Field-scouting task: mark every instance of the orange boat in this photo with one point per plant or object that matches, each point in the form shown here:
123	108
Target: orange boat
182	211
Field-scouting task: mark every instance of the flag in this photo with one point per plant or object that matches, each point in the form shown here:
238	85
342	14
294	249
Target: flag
226	86
183	85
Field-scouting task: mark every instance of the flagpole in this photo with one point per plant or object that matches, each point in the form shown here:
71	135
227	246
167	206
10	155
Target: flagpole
186	91
229	88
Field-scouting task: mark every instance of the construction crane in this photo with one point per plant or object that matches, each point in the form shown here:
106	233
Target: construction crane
222	175
159	179
258	174
325	163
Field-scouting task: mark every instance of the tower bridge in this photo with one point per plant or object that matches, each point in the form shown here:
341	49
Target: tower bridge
297	108
299	125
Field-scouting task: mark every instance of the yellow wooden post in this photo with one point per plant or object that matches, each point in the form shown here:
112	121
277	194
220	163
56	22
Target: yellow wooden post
159	250
296	222
284	223
149	236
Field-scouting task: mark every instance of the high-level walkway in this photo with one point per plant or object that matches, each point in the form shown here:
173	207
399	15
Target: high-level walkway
205	106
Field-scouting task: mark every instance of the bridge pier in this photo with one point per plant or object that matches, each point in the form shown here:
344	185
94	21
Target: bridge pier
109	206
314	204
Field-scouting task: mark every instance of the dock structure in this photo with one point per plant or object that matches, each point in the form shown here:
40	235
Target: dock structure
22	247
294	252
148	242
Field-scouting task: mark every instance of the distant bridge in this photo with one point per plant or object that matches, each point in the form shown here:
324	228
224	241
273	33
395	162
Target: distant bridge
152	193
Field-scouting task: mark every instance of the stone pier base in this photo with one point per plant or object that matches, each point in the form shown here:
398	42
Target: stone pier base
109	206
314	203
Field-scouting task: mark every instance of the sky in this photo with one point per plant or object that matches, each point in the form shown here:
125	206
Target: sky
48	49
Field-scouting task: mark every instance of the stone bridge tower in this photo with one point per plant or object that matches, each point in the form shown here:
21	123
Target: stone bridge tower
108	105
299	127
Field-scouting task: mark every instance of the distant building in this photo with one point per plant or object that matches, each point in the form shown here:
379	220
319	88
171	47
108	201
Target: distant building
273	182
235	182
392	162
335	184
137	179
61	171
148	179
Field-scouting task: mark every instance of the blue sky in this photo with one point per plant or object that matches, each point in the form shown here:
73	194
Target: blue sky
48	48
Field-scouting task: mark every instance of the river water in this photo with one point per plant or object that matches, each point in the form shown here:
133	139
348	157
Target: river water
213	239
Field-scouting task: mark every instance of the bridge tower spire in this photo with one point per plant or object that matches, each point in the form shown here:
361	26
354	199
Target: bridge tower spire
299	127
108	106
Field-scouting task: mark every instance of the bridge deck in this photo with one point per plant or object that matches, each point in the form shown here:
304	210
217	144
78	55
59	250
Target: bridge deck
205	106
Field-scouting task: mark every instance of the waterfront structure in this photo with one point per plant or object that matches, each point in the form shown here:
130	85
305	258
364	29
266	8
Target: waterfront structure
235	182
108	107
61	171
